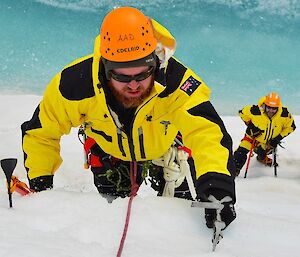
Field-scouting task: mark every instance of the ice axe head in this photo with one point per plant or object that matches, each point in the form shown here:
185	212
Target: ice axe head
8	166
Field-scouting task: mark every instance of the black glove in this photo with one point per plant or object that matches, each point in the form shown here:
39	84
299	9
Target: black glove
275	141
253	131
41	183
228	213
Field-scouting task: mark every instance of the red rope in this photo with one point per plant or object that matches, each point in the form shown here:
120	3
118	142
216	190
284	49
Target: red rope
133	192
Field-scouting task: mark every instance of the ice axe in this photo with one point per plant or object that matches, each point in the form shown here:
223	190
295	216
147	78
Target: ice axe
8	166
275	164
219	225
249	156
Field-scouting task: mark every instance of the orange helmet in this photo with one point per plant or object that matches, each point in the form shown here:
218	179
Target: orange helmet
272	100
126	35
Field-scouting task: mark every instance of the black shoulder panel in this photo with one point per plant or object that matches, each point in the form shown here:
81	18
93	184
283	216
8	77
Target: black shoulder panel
285	112
76	82
160	76
174	74
207	111
255	110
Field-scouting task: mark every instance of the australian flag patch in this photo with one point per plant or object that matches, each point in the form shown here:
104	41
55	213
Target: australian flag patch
190	85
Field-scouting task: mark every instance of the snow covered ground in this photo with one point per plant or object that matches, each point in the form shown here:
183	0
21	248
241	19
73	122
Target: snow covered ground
74	221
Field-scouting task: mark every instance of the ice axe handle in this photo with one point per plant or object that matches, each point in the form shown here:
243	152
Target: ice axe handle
8	166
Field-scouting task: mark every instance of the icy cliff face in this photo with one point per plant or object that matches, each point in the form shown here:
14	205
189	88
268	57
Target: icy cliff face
240	48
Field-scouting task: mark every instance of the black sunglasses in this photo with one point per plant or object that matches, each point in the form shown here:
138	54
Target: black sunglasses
271	108
128	78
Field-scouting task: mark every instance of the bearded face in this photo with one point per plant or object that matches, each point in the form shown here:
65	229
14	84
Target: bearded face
131	93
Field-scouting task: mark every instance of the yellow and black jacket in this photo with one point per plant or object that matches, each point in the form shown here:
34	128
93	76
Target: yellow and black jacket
279	126
179	101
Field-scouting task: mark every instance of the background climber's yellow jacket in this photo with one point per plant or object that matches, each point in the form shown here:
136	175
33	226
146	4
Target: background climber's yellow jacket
179	101
282	123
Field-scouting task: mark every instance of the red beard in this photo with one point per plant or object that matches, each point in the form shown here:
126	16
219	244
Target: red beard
131	102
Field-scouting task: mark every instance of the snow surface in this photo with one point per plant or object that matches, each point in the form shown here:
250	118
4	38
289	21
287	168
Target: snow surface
72	220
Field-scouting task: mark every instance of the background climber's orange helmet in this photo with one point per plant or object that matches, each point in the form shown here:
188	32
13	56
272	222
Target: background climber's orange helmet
126	35
272	100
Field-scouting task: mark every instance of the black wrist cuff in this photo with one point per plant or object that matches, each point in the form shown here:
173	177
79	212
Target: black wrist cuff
219	185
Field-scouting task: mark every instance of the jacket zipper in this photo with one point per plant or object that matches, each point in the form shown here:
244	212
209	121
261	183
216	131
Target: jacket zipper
272	134
269	132
141	140
120	144
130	138
119	130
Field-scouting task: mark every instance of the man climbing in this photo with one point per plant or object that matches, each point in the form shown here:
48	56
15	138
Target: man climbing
133	98
267	124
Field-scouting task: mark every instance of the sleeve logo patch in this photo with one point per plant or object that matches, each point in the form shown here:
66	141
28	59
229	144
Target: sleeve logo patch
190	85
